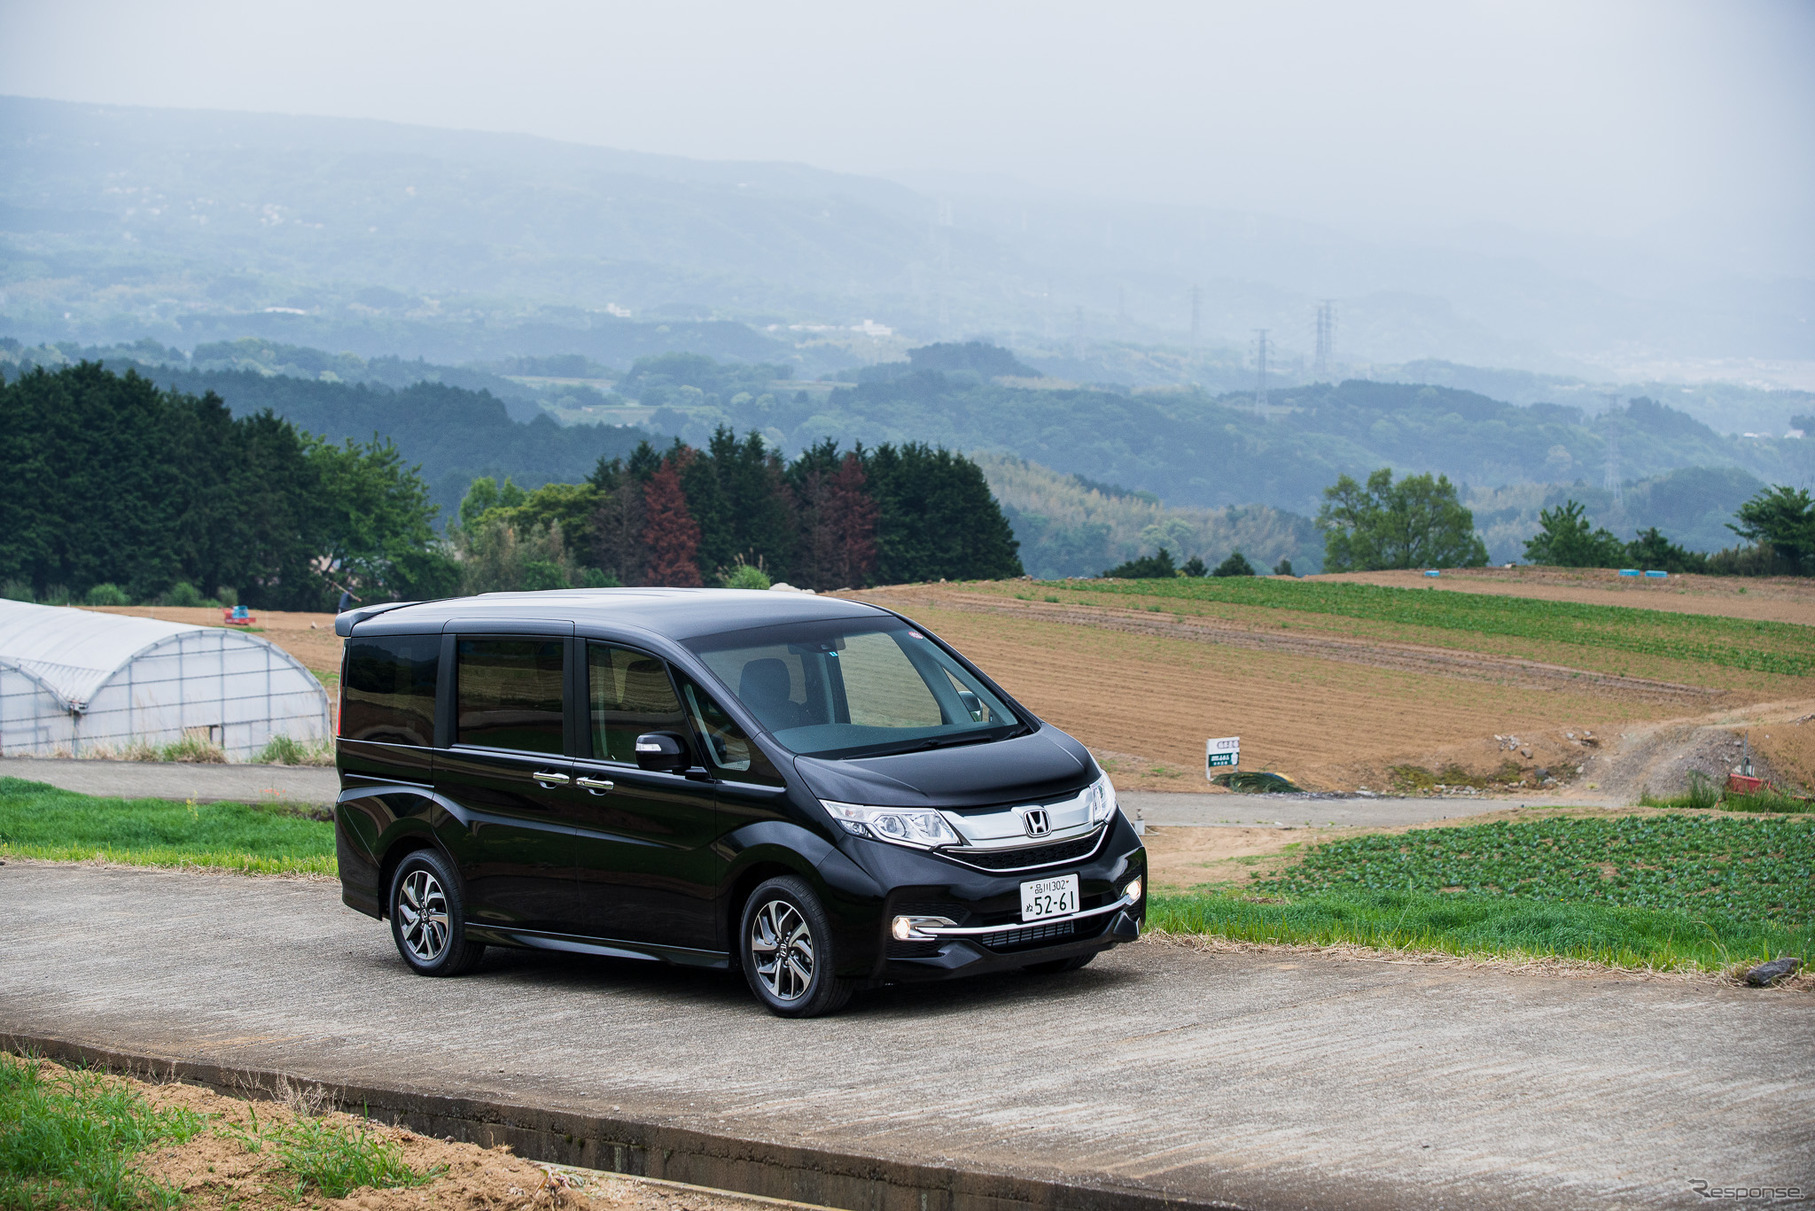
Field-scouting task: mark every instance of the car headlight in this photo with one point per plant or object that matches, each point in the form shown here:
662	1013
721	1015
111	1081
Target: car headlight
1100	797
919	827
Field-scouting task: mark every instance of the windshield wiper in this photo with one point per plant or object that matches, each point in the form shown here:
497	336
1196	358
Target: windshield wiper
960	738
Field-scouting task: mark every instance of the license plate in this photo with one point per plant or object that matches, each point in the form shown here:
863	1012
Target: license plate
1055	897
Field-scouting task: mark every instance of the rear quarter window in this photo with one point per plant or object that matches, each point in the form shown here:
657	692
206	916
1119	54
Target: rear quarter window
388	694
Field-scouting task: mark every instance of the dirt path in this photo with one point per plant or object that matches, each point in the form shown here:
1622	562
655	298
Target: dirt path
1764	599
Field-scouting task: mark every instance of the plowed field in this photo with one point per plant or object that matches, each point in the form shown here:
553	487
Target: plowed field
1332	702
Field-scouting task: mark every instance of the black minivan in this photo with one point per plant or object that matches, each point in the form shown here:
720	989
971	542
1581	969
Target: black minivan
816	791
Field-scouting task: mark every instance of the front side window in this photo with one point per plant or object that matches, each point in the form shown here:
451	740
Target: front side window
508	694
728	746
855	687
628	694
389	692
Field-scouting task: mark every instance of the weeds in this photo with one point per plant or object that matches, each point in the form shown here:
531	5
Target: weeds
1702	794
194	748
337	1159
68	1139
284	750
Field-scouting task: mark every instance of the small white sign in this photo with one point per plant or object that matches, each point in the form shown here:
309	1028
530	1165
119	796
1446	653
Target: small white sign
1224	753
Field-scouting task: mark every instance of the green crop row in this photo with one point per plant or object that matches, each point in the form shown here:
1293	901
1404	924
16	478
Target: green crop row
1760	870
1762	647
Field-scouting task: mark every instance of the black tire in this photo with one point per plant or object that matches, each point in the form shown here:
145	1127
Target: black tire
785	946
1055	966
428	918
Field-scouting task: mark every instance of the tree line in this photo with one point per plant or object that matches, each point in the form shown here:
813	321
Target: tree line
736	512
1419	522
118	491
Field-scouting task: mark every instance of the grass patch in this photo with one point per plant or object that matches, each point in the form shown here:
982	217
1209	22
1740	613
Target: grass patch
41	821
1491	926
1765	647
69	1139
1645	891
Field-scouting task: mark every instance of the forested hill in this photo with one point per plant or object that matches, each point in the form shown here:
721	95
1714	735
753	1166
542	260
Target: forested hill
1192	449
455	434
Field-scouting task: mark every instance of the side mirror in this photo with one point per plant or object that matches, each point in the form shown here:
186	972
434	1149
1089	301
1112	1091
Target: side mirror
662	751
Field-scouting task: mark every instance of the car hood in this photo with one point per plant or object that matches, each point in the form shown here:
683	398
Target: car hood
1046	764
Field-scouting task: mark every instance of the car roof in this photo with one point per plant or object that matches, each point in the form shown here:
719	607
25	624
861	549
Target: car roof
676	613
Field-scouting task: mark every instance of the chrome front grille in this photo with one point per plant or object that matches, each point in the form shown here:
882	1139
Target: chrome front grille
1027	857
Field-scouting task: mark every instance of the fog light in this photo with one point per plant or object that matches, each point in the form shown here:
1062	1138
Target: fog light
907	929
1132	891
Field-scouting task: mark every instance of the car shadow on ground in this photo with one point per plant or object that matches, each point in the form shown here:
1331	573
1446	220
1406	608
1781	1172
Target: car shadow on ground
705	988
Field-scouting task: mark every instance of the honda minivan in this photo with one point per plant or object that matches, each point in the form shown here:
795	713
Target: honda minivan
817	792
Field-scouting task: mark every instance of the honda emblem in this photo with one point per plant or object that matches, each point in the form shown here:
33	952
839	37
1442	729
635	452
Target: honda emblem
1037	823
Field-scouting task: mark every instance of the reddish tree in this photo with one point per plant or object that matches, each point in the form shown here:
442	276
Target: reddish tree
855	509
671	538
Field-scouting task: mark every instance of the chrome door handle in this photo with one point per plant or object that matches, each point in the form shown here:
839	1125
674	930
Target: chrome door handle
597	786
551	778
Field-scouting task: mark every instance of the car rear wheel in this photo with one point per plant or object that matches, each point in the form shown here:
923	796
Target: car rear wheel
428	920
786	951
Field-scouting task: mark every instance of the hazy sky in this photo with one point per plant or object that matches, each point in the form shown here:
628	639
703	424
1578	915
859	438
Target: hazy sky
1685	125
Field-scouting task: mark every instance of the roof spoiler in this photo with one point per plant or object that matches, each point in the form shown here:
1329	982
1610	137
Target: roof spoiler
344	623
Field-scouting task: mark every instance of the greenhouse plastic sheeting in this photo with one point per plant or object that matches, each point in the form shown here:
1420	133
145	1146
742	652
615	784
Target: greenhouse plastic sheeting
73	681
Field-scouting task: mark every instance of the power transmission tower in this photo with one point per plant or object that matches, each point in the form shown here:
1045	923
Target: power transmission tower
1326	339
1260	373
1611	480
1197	317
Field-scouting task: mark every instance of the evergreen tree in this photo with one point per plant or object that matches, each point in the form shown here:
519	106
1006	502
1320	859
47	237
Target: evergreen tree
1652	550
935	518
1236	565
1564	540
1158	566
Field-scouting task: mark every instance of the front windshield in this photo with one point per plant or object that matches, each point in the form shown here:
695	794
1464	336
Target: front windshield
854	687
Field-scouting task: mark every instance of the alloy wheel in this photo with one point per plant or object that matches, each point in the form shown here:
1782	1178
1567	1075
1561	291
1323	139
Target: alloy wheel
422	915
782	945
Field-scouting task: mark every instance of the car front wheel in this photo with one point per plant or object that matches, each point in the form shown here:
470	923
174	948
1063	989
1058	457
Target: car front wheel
786	951
428	920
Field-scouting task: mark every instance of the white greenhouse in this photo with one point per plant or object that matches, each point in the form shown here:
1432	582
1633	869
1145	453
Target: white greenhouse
73	681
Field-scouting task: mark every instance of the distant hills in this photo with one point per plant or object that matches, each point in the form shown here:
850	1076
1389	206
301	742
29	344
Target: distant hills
196	226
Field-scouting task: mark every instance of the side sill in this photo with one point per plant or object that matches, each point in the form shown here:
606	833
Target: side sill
531	939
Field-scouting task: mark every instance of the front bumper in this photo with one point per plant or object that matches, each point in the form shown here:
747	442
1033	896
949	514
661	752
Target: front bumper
987	933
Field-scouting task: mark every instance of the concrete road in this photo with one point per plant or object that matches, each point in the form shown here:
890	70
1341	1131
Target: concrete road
1265	1079
304	785
1298	811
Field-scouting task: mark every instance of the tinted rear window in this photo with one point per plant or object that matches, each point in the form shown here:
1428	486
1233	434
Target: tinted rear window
509	694
389	695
